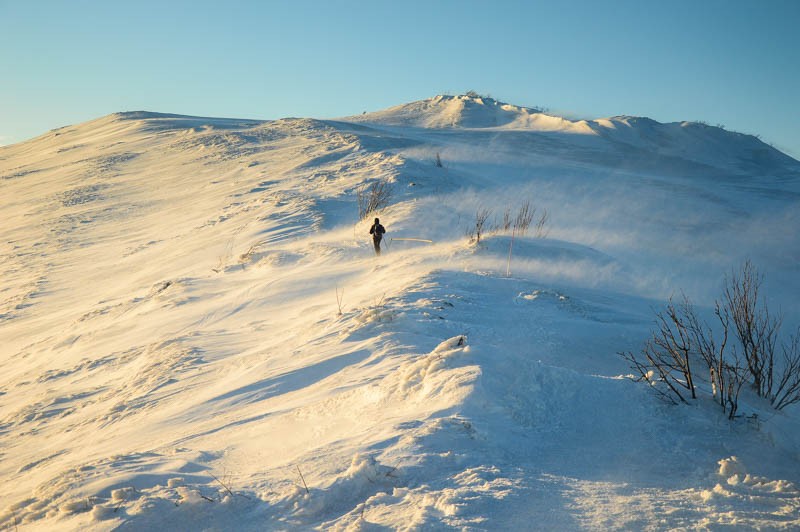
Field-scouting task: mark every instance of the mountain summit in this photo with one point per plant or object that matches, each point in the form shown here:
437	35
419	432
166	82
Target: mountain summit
634	140
470	111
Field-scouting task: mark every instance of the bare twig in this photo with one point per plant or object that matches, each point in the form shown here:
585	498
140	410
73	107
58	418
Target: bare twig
303	479
524	217
481	215
541	225
339	299
227	487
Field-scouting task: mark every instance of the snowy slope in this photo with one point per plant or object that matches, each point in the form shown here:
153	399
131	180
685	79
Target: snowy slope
174	355
627	137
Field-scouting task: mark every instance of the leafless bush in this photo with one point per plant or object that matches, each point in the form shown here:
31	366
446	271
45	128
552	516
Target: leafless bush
665	358
743	350
754	327
524	218
726	371
787	387
541	225
712	352
481	216
521	223
757	331
373	197
506	224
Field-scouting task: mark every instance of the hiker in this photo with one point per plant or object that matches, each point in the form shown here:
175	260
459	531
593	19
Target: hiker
377	232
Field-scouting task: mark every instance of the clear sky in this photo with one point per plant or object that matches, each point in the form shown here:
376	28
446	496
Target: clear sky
730	62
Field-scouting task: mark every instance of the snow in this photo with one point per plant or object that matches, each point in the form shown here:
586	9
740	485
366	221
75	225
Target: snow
471	112
197	335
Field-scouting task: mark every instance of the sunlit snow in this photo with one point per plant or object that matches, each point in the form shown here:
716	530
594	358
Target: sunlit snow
196	334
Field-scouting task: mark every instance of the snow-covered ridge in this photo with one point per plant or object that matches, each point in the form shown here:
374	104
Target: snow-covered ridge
693	140
196	332
697	142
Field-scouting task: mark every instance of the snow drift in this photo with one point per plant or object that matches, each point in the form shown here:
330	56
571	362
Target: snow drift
196	334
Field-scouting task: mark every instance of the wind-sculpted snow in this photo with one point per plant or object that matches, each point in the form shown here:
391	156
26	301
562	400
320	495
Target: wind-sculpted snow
196	333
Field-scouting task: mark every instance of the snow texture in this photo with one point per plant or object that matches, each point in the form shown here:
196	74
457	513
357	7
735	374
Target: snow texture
196	334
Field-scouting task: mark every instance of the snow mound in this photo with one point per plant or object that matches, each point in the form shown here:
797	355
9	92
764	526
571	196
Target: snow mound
470	112
694	141
679	147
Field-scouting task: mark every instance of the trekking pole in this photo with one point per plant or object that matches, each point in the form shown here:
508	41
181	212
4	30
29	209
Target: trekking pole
415	240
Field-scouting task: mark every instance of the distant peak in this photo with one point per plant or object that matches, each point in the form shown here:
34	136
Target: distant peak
469	111
485	100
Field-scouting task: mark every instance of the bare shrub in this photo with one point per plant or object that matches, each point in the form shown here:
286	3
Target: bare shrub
734	377
754	327
726	371
521	223
518	224
787	386
710	350
506	225
481	215
744	349
524	218
757	332
541	225
665	358
373	197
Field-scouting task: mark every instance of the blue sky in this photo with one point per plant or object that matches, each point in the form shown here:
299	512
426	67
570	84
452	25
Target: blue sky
728	62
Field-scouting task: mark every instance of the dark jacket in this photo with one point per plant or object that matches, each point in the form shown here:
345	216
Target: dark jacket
377	231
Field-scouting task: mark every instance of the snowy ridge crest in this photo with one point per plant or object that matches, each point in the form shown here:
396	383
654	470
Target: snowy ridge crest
469	112
197	332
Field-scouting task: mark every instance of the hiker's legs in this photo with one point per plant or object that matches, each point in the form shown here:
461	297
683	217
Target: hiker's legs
377	243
